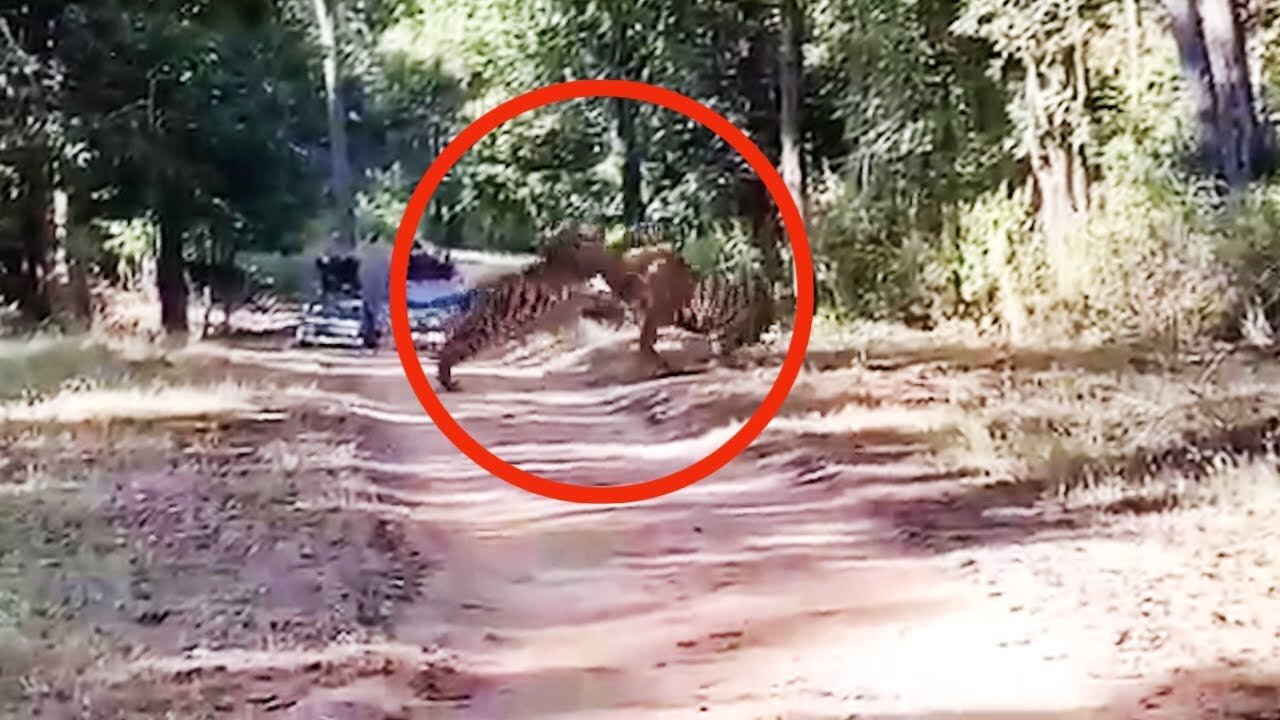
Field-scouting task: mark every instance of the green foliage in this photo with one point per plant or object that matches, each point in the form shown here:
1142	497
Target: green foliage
724	248
1251	246
867	251
922	121
289	276
987	271
380	206
213	112
127	244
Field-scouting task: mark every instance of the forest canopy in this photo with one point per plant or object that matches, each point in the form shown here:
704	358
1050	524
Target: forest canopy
1095	167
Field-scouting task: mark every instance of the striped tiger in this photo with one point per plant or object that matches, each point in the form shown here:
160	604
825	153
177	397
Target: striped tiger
661	289
734	312
550	293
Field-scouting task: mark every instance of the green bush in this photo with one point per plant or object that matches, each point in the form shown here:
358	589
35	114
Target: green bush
868	254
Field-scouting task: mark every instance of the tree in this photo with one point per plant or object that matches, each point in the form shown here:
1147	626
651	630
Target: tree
35	148
1235	143
339	161
1044	43
198	117
790	84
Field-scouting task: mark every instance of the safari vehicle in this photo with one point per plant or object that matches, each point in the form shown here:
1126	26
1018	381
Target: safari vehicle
434	295
339	316
344	322
431	310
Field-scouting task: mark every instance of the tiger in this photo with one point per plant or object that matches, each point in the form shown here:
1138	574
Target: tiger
549	293
654	285
661	289
734	312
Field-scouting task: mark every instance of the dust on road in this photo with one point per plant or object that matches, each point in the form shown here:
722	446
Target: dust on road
836	569
768	589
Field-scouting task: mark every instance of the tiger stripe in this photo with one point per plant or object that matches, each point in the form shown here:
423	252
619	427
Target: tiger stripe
548	294
734	312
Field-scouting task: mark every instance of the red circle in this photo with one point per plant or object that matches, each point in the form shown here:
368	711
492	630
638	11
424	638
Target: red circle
570	91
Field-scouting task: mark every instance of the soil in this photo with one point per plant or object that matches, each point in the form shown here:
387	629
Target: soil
834	570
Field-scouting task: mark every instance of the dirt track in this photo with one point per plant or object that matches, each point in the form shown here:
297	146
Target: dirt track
832	571
776	587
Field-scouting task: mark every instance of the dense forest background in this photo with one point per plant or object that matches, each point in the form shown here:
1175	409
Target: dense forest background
1094	167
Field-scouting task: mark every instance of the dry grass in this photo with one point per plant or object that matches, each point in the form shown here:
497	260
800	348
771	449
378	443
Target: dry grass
1110	428
73	380
194	528
63	559
60	555
43	363
134	489
1230	483
157	401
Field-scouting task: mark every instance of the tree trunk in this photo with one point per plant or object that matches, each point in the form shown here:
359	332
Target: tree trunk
1184	21
339	160
67	287
1234	142
632	203
1058	170
790	91
35	240
759	71
1077	159
1239	130
171	283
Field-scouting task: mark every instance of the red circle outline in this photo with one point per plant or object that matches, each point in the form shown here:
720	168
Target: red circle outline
454	151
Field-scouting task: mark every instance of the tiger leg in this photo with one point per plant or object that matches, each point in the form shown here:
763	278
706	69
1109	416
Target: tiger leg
475	343
450	355
653	319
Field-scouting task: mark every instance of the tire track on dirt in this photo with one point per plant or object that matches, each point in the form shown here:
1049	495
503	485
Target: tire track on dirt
765	590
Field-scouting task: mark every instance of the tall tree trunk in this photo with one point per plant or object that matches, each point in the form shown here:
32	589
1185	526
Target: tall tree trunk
164	194
1184	22
1234	142
1058	170
339	159
36	234
1240	132
632	201
1079	173
67	287
790	91
171	282
758	74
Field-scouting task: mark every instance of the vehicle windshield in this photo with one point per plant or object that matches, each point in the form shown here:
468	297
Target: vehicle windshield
423	293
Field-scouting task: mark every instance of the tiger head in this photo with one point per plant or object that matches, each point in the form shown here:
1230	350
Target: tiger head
577	251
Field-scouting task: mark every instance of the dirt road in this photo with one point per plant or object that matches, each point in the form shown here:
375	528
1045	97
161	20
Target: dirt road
337	558
776	588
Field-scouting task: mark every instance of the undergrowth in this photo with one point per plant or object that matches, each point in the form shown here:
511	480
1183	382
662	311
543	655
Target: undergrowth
1128	435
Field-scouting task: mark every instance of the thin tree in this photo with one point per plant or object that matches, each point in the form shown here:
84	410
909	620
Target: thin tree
339	160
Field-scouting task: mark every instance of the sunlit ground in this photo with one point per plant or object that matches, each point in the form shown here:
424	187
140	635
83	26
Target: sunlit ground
896	543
